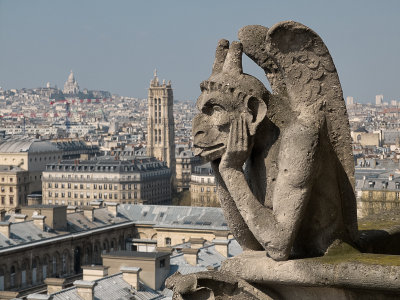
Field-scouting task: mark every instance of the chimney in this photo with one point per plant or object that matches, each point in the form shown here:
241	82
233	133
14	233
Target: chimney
92	273
221	234
54	285
222	246
95	204
85	289
164	249
2	215
38	297
112	207
5	229
190	255
71	209
88	212
38	221
19	218
197	243
131	276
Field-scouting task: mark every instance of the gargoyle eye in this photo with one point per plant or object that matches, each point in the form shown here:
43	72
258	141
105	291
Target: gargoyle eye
209	108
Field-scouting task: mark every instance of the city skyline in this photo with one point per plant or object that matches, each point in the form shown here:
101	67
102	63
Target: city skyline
116	47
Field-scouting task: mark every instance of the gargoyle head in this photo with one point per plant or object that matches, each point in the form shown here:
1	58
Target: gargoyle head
226	95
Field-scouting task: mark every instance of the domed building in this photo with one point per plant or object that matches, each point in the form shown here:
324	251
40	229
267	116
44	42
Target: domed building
71	85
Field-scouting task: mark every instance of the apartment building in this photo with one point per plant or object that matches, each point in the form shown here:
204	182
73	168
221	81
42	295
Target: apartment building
78	182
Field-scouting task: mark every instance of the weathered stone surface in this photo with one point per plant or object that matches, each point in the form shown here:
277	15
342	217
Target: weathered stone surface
295	196
212	285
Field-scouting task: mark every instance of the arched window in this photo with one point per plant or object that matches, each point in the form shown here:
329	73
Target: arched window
34	271
64	263
1	279
12	277
112	245
44	268
54	262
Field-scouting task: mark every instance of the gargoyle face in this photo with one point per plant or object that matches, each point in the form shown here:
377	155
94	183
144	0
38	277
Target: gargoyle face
211	126
226	95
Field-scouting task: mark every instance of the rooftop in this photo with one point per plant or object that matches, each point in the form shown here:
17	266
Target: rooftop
27	145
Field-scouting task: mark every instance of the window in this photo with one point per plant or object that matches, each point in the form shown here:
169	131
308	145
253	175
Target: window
3	200
49	185
11	189
162	263
69	185
11	200
168	241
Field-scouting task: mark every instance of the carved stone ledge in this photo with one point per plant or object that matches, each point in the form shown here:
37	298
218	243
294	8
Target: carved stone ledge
343	273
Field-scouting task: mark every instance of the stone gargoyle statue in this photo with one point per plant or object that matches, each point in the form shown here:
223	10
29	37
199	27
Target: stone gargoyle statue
295	195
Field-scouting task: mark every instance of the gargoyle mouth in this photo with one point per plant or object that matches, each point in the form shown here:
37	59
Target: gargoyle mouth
204	150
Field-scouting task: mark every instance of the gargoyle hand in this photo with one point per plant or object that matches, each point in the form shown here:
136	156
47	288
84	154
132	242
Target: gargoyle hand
238	148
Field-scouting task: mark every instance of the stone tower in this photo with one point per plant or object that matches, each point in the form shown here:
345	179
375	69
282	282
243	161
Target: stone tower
160	123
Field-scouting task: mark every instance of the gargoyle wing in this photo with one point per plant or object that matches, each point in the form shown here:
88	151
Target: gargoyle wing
302	74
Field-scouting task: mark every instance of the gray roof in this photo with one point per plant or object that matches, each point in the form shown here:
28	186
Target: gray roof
160	216
26	232
110	288
27	145
102	217
11	169
108	164
128	253
189	217
22	233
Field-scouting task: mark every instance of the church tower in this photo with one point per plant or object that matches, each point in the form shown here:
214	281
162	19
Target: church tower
160	123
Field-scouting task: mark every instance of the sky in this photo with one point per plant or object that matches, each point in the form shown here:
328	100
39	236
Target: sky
116	45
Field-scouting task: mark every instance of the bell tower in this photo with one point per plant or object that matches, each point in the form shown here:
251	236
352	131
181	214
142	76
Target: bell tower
160	123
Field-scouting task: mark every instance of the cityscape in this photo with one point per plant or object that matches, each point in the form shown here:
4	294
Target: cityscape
102	195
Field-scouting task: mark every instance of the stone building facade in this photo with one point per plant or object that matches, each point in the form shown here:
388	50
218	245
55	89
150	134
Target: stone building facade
160	123
31	250
42	252
77	182
185	164
378	196
14	186
203	187
23	161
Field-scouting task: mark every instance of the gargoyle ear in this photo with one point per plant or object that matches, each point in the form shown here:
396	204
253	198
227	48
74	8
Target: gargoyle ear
258	111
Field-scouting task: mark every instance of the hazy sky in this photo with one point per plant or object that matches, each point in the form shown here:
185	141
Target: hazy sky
116	45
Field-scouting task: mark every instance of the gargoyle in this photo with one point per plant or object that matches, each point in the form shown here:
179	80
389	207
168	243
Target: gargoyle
295	195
